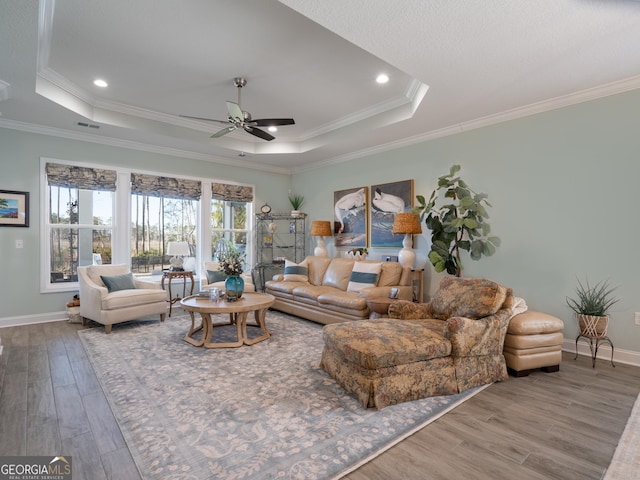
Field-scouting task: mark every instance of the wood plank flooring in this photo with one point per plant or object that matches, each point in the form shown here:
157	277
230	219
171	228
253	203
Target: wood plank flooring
562	425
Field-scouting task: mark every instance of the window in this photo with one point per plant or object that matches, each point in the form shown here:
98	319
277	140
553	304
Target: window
93	215
79	219
230	208
163	209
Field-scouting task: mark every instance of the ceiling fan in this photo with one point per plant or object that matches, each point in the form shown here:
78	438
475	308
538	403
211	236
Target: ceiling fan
241	119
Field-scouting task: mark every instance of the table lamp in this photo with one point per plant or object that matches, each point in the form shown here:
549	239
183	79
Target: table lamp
178	250
320	229
408	224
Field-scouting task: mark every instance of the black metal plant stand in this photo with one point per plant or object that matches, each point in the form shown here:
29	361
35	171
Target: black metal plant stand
594	351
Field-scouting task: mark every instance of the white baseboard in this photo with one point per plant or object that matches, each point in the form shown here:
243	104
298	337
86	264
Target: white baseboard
604	352
31	319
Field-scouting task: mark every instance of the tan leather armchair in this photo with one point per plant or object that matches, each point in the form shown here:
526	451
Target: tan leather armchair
97	303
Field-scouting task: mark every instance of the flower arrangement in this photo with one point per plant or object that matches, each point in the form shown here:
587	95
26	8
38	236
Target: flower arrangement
231	261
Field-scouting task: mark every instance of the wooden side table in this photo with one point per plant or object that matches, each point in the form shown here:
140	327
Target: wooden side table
379	306
184	275
417	284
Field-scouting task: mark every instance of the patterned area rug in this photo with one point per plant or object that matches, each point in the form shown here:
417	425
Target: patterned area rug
625	464
255	412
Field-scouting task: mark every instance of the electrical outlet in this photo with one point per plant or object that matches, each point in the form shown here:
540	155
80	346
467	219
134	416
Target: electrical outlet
637	318
19	244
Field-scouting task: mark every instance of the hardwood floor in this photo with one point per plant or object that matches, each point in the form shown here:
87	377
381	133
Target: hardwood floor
562	425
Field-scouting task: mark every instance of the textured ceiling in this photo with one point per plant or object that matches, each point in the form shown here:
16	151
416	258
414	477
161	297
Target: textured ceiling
453	65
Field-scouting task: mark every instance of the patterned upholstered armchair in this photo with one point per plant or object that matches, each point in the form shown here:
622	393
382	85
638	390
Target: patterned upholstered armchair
446	346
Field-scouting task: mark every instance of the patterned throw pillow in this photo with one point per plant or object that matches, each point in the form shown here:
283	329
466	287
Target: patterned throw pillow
294	272
118	282
364	275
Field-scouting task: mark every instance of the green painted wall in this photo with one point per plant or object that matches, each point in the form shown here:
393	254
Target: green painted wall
564	189
20	154
562	184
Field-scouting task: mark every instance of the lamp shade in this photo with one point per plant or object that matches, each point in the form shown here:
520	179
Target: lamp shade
178	248
320	228
405	222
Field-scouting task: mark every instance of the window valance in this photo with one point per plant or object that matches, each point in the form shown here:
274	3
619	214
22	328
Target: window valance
85	178
155	186
231	193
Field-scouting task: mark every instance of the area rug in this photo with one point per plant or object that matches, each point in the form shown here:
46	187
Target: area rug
264	411
625	464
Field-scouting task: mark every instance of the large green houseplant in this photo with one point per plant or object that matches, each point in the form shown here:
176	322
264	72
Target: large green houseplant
458	221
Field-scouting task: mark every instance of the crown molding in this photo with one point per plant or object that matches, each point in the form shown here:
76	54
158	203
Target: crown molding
602	91
139	146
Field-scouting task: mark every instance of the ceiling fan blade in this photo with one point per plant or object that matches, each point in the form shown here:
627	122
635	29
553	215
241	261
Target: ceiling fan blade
224	131
223	122
259	133
268	122
235	111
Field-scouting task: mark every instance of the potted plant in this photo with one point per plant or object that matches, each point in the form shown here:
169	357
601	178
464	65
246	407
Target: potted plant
591	306
296	202
359	253
231	262
460	223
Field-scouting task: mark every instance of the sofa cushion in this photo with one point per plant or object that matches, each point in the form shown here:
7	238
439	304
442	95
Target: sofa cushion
338	273
364	275
294	272
305	290
383	343
339	298
390	274
467	297
118	282
131	298
317	267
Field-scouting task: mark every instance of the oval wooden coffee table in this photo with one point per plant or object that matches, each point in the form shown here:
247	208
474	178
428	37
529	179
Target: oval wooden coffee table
258	303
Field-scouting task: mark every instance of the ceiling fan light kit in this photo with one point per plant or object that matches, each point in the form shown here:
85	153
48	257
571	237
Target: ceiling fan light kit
240	119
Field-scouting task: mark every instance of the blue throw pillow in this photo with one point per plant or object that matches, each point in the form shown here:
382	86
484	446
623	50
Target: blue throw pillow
118	282
214	276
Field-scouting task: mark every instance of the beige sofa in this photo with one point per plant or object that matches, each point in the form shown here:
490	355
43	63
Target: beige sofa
107	307
330	290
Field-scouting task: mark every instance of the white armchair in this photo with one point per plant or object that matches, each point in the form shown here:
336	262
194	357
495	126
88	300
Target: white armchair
219	282
119	305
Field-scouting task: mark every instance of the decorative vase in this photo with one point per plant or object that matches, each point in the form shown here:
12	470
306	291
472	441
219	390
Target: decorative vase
234	287
593	326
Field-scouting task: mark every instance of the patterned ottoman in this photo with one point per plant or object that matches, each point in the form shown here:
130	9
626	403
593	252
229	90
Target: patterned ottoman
386	361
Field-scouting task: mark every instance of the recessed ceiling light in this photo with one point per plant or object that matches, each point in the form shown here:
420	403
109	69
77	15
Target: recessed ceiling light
272	129
98	82
382	78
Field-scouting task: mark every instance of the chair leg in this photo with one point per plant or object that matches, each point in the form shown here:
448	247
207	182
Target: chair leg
107	329
520	373
162	315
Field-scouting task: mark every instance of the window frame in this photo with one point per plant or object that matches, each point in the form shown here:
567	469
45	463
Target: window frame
121	221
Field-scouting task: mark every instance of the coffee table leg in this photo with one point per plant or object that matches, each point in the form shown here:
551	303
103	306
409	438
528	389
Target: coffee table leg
238	319
203	325
260	316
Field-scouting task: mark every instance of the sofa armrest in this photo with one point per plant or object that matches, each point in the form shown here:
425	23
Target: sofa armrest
404	293
406	310
484	336
278	277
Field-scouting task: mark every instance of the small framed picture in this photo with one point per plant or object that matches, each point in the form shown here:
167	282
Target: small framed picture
393	293
14	208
